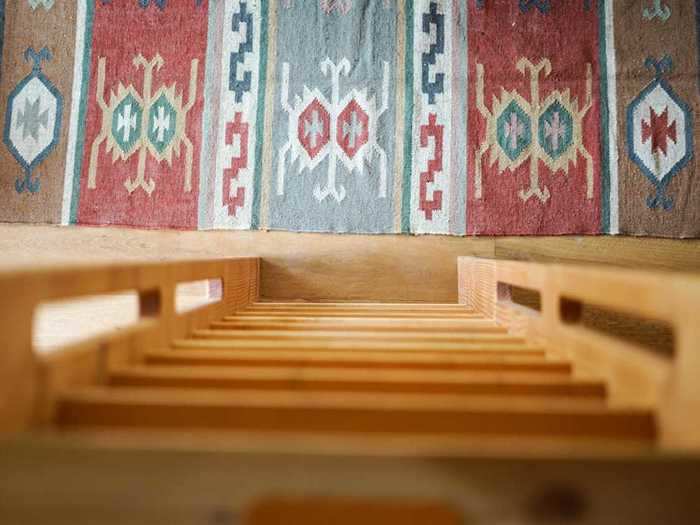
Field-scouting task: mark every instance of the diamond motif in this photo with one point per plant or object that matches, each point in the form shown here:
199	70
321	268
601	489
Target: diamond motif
659	132
162	124
556	130
32	120
126	124
353	120
353	128
514	130
314	129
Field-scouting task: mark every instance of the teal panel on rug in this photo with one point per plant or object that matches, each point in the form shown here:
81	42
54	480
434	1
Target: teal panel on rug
334	133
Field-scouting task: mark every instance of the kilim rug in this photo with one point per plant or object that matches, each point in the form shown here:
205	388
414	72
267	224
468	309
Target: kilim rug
469	117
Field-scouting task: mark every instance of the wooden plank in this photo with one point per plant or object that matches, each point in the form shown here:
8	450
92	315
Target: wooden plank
359	359
366	324
328	305
313	335
514	346
475	336
293	321
295	316
349	413
348	380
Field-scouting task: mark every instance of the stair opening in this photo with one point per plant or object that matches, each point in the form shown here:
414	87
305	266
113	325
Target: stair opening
526	297
195	294
60	323
653	335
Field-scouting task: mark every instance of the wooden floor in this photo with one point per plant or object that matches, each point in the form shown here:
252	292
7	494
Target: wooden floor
352	368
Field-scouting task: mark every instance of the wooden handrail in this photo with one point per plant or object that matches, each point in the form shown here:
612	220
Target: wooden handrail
29	382
637	377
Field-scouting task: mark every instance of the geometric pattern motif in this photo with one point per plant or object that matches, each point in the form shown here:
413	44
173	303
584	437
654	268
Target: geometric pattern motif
236	126
32	120
432	90
148	122
46	4
428	116
543	6
547	130
659	132
161	4
340	129
658	10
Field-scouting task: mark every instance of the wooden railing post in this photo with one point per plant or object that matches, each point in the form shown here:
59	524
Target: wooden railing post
680	404
17	361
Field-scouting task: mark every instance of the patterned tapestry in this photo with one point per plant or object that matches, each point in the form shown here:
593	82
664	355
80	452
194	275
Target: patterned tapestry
469	117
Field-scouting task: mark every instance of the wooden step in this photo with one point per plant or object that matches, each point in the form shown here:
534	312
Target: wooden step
364	324
342	335
489	360
276	315
348	413
327	345
319	379
423	307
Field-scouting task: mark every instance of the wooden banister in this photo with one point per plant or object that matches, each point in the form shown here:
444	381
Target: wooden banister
637	377
29	382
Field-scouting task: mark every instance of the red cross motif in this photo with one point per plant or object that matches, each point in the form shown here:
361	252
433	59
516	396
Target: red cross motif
658	129
314	129
353	128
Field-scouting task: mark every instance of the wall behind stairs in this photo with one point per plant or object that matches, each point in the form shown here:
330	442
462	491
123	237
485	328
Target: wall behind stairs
477	117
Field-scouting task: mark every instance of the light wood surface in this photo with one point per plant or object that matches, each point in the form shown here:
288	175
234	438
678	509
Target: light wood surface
232	381
637	377
349	380
341	267
29	382
332	380
518	360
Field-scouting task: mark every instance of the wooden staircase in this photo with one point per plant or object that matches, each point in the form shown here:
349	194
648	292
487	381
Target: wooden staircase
340	386
394	371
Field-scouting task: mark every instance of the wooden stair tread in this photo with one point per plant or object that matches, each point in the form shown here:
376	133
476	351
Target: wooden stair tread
349	412
350	304
277	315
328	344
360	307
300	378
219	332
374	325
490	360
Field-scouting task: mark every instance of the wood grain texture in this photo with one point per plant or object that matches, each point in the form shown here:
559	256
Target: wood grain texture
336	267
631	252
30	382
296	266
637	377
351	413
